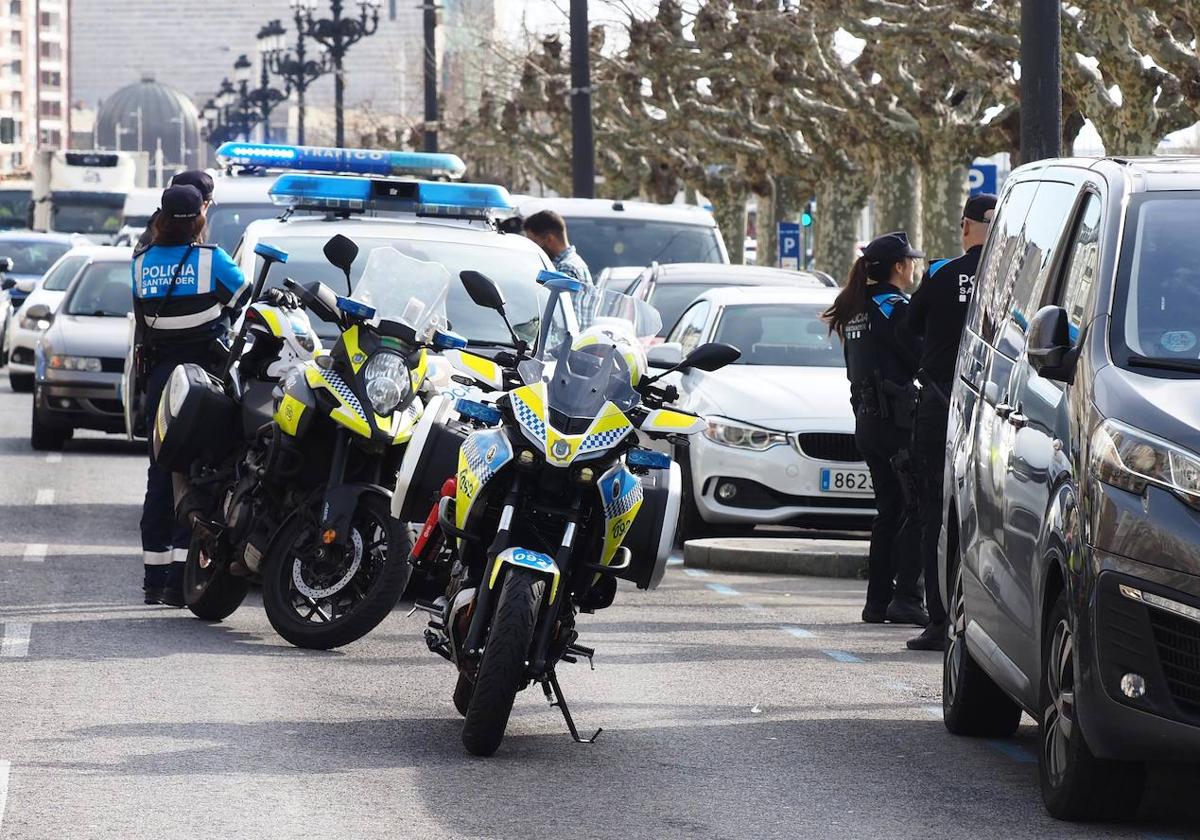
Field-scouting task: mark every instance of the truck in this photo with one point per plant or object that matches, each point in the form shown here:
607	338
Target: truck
15	201
84	191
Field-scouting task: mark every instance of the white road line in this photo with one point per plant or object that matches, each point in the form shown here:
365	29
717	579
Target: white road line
15	641
4	768
54	458
721	589
841	656
36	552
695	573
756	608
45	496
798	632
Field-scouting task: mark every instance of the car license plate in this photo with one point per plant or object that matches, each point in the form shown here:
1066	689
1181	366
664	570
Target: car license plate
846	481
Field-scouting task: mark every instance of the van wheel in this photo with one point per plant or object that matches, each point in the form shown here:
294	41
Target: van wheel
972	704
1075	784
46	438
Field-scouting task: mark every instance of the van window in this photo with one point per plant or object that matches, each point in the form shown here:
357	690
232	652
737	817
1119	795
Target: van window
1004	244
1081	265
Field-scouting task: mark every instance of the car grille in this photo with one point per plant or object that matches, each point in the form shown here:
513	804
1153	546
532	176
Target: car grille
826	446
1178	641
109	365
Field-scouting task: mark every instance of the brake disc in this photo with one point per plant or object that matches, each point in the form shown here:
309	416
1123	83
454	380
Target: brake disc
356	550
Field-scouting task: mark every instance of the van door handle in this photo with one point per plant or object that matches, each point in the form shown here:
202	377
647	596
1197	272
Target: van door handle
1004	410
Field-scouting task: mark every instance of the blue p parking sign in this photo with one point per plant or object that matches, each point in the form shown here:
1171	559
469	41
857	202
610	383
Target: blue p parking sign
789	245
981	178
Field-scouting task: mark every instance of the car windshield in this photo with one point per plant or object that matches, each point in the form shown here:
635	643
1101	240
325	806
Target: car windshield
670	299
87	218
513	270
60	276
32	256
102	290
783	334
14	209
227	222
1157	304
607	242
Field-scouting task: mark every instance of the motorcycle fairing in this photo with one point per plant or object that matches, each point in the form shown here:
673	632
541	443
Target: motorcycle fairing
610	427
349	411
482	455
666	421
525	558
477	367
620	499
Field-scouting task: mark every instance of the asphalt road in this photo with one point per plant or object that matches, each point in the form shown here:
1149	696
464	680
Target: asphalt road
734	706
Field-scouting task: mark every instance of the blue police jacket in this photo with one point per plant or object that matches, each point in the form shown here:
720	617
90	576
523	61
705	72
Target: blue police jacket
178	298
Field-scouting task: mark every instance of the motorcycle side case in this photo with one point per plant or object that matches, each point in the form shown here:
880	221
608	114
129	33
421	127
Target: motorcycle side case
431	458
651	538
195	419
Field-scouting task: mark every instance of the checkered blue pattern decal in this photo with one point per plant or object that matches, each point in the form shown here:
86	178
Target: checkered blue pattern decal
621	491
338	384
602	440
475	449
528	418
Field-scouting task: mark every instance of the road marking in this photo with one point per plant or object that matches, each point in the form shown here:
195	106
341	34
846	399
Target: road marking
841	656
45	496
721	589
1014	751
4	768
675	561
934	711
755	608
36	552
798	632
15	641
695	573
54	458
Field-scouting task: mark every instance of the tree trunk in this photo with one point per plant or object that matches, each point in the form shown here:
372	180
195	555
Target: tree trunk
768	227
729	209
899	195
840	200
944	191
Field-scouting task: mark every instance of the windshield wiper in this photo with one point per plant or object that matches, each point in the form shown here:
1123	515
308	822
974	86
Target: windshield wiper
1157	363
100	313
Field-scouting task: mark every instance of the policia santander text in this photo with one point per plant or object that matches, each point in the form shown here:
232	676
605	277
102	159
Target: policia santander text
186	295
881	361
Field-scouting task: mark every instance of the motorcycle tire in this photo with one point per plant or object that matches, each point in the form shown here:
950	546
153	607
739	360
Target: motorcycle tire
283	603
463	689
502	669
209	590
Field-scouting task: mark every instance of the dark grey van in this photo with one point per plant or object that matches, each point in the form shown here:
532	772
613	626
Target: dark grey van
1071	561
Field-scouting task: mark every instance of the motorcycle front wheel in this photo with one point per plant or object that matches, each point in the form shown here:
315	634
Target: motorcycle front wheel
324	600
502	668
210	591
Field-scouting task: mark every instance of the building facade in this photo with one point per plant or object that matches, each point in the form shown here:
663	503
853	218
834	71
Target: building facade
34	79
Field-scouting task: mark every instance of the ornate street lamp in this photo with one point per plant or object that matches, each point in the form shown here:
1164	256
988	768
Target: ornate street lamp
242	69
270	39
295	68
337	34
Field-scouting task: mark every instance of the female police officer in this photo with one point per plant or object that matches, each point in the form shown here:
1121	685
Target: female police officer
185	295
881	361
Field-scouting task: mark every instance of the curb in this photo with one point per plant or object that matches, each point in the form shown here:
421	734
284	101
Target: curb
812	558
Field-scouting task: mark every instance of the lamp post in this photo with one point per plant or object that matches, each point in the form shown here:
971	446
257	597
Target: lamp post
270	41
431	94
182	140
338	34
295	68
1041	80
241	74
583	149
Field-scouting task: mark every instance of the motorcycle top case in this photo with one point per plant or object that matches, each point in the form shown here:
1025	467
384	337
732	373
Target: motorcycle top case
195	418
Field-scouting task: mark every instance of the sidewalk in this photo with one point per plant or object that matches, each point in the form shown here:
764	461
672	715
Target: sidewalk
785	556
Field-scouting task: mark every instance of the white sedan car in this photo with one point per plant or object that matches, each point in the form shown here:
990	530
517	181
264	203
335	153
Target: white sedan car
779	448
36	313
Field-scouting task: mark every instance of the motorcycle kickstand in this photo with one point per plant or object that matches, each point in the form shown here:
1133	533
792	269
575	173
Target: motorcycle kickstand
558	701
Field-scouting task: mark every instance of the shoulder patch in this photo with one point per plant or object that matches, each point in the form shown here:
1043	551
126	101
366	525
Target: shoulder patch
933	269
887	302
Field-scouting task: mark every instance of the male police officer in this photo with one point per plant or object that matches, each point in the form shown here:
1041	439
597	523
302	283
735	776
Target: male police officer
549	230
938	312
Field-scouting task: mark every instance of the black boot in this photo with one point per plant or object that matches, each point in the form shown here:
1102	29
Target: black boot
173	591
932	638
901	612
154	581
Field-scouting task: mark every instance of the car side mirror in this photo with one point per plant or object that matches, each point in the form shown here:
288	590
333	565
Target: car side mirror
482	290
1049	345
38	312
711	356
667	355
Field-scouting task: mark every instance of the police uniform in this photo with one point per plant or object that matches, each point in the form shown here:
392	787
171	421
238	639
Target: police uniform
938	313
881	361
184	297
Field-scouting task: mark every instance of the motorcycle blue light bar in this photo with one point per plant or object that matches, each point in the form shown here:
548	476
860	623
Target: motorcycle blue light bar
560	281
340	192
478	411
355	309
648	458
346	161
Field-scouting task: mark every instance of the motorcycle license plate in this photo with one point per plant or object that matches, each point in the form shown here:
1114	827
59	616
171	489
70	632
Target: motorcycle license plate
856	482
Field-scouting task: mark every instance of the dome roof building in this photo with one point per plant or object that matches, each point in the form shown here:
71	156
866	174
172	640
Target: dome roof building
140	116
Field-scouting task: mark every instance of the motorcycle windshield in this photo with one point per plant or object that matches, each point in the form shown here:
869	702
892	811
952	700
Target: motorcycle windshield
582	381
405	290
605	307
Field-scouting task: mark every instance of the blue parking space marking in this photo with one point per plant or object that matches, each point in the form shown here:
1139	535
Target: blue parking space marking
722	589
841	656
695	573
1014	751
798	632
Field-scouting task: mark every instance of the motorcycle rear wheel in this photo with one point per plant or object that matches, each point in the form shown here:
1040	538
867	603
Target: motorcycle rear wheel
502	668
210	591
361	603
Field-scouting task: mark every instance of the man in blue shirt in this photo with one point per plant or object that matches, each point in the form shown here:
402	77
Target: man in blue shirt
549	230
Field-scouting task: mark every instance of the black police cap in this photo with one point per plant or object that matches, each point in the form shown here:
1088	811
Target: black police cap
977	207
182	202
890	247
197	178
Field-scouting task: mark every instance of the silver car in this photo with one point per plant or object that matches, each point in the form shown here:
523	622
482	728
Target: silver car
80	358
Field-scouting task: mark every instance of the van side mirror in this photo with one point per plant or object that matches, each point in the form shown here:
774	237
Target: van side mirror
1049	346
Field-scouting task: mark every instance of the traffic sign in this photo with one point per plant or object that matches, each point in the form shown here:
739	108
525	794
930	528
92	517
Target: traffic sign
789	245
982	178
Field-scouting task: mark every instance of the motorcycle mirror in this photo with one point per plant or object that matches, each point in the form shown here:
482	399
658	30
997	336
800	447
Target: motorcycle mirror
7	283
341	251
482	290
711	356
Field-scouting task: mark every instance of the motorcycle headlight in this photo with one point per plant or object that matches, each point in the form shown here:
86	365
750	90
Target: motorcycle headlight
388	382
737	435
1125	457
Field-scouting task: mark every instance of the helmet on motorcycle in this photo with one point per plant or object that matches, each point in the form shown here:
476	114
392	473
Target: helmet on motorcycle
615	335
282	336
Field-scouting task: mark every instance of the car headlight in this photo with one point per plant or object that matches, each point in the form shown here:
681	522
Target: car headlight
388	382
1131	460
38	324
741	436
90	364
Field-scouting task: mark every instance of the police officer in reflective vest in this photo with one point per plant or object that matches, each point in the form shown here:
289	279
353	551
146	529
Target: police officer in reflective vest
938	313
881	361
185	295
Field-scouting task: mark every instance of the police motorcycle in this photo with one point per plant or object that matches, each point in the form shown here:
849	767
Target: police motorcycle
546	497
305	504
